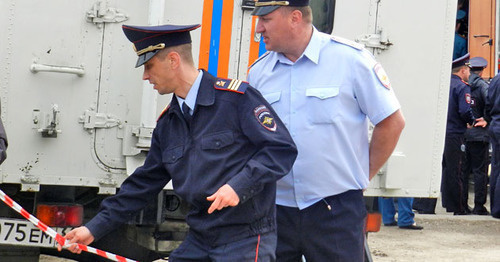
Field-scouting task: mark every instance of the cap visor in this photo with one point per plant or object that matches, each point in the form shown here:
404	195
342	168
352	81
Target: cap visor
145	57
264	10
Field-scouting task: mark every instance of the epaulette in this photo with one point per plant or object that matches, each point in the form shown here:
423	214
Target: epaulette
347	42
163	112
233	85
260	58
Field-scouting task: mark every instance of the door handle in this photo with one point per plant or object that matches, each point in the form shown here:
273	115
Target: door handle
490	42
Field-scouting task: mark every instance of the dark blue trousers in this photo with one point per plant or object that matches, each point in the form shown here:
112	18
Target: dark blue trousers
495	174
476	163
451	180
330	230
259	248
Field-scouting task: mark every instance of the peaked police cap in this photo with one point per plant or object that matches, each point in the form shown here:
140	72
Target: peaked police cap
478	63
264	7
461	61
149	40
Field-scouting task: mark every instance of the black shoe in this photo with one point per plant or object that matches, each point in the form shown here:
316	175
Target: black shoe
482	211
391	224
412	227
460	213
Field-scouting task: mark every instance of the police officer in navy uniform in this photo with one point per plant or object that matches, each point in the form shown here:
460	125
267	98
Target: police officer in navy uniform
477	141
220	143
459	118
493	118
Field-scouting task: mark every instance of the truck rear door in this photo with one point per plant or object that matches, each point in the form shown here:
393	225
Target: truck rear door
414	43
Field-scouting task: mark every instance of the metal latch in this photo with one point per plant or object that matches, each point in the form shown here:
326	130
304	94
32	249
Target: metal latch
100	13
92	120
248	5
378	41
47	124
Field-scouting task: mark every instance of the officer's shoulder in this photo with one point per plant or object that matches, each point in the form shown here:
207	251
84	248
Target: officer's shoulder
231	85
164	112
347	42
259	59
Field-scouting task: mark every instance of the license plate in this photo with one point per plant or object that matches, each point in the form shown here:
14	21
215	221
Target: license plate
23	233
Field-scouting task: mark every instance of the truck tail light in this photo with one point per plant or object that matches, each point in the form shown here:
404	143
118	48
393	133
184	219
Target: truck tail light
373	222
60	215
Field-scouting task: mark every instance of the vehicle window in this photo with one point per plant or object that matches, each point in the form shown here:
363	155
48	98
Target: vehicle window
323	13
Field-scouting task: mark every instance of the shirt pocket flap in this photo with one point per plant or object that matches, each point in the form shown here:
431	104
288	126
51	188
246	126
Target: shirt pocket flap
323	92
171	155
272	97
217	141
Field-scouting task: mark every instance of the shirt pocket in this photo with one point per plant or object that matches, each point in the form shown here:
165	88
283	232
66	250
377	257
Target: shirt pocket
272	97
172	155
217	140
323	103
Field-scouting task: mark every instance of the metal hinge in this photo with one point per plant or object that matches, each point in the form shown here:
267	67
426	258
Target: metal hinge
92	120
378	41
100	13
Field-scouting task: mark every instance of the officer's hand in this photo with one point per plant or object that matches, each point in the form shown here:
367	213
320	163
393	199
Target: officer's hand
224	197
80	235
481	122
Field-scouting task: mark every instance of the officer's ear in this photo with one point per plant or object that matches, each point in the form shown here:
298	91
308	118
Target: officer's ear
296	16
174	59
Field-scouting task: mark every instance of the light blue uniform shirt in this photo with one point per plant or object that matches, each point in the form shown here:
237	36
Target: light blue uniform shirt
325	100
192	94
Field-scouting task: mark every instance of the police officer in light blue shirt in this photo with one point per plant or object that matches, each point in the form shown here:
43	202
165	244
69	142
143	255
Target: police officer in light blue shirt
326	90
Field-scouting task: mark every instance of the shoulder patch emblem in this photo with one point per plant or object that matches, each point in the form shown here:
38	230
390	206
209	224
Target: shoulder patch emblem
347	42
467	98
265	118
382	76
233	85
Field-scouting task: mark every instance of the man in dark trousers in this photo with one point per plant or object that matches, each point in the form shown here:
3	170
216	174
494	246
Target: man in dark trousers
477	141
493	118
220	143
459	118
326	89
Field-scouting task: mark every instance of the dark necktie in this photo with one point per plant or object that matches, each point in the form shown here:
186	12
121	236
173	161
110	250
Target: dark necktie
185	112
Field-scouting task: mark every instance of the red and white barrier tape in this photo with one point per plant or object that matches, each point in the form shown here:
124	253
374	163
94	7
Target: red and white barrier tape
52	233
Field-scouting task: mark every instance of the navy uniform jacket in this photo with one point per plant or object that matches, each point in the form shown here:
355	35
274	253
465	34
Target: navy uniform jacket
493	105
479	93
459	111
234	138
3	143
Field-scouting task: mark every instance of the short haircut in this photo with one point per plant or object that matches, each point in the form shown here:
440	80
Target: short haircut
305	10
184	52
457	69
476	71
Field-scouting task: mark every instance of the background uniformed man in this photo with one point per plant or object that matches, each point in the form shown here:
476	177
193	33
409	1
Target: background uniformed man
493	118
477	141
459	118
219	142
